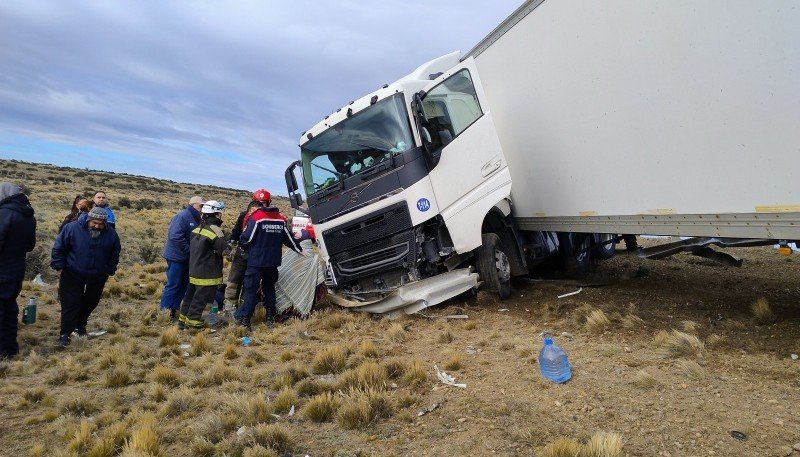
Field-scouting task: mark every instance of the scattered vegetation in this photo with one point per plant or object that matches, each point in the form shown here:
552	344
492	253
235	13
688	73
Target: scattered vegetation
762	312
597	321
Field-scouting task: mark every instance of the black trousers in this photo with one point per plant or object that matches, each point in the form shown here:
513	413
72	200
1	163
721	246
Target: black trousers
255	279
9	311
194	303
78	300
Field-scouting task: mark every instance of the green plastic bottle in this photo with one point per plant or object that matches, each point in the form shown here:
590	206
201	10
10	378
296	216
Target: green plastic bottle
29	312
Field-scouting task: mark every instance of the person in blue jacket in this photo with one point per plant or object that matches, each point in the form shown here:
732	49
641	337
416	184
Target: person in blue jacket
101	201
176	253
85	254
17	236
263	237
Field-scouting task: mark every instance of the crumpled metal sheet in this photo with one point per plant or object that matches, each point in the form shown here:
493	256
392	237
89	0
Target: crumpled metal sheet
415	296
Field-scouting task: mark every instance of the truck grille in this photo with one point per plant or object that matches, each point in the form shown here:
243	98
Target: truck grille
374	260
367	229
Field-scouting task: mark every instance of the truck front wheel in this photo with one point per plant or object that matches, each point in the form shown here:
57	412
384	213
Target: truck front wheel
494	268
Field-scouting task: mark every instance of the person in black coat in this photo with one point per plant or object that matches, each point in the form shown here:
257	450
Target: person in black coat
85	254
17	237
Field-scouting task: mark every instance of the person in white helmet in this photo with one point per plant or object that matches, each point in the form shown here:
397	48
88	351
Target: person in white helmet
206	246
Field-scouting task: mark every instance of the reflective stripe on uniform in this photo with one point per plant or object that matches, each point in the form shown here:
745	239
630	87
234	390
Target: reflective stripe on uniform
205	281
191	322
205	232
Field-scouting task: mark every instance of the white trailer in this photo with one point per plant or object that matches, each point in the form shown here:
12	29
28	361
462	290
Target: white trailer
571	119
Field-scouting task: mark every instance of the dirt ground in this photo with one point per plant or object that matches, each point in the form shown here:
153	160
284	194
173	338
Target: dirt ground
145	389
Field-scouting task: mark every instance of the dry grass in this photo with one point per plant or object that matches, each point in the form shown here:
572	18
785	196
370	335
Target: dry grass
286	356
470	325
368	375
603	444
246	408
692	369
83	437
180	401
396	333
118	377
714	340
644	380
395	368
762	312
111	441
359	409
368	349
144	439
216	375
321	408
680	344
311	387
230	352
284	401
445	338
169	337
260	451
562	447
453	363
272	436
329	360
165	375
597	322
112	357
415	375
632	321
334	321
690	327
200	344
80	406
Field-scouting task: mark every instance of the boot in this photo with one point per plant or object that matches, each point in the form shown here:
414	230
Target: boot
63	341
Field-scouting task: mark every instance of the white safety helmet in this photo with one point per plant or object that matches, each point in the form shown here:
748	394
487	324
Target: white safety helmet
212	206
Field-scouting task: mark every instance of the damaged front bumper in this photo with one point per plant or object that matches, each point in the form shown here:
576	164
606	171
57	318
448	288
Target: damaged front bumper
413	297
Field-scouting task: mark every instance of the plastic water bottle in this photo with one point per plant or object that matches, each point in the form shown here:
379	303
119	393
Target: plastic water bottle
29	312
553	362
213	315
245	341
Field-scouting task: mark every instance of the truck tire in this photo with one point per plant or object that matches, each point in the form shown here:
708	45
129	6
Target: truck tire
574	252
494	268
604	251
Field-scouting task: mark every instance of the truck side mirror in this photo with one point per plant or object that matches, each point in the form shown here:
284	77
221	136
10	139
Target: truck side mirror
297	200
291	185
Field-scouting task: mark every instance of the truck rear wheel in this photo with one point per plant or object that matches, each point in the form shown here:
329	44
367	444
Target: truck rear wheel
574	252
494	268
604	251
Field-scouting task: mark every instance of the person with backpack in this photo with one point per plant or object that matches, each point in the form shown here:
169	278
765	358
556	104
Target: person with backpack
17	237
206	246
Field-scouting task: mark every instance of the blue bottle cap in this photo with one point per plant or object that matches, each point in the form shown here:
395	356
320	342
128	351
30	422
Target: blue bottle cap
548	341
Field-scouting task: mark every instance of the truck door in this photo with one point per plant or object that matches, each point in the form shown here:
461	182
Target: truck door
469	167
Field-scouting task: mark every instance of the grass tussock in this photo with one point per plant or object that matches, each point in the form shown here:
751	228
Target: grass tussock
470	325
632	321
284	401
445	338
562	447
250	409
259	451
334	321
165	375
272	436
454	363
368	349
762	312
201	447
692	369
111	442
714	340
597	322
80	406
312	387
329	360
321	408
144	440
112	357
396	333
680	344
216	375
169	337
359	409
200	344
601	444
368	375
37	450
644	380
690	327
230	352
286	356
83	437
395	368
117	377
415	375
181	400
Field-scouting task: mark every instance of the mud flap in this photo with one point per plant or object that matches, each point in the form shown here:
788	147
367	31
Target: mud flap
416	296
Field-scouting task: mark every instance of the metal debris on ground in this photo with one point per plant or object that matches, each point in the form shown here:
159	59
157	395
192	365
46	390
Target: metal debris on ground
242	430
580	289
737	435
430	408
97	333
291	411
502	310
449	316
794	356
567	335
472	350
38	281
447	379
185	346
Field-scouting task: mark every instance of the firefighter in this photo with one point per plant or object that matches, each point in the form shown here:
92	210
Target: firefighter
206	246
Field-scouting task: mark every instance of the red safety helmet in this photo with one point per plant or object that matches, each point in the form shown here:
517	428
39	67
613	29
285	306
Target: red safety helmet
261	195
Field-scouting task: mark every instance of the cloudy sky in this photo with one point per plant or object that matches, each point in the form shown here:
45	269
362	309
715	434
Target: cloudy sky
206	92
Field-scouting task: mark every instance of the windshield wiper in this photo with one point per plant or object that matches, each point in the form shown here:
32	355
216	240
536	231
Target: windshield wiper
338	174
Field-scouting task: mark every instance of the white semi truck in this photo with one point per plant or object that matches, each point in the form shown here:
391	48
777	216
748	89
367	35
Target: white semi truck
571	124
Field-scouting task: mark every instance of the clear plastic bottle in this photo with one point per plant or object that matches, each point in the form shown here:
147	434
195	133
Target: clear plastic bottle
213	315
553	362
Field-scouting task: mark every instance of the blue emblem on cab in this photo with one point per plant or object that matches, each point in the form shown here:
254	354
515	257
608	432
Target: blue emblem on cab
423	204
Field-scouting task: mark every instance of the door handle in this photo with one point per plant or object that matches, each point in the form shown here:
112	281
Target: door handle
491	166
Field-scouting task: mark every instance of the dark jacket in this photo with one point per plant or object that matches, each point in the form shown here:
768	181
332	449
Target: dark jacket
17	232
205	259
263	236
88	259
176	249
238	227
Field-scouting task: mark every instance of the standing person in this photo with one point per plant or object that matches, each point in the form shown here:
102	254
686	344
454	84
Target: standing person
205	265
101	201
85	254
79	206
262	239
17	236
238	256
176	253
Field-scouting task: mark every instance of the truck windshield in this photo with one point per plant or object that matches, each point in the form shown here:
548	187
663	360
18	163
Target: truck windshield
356	144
